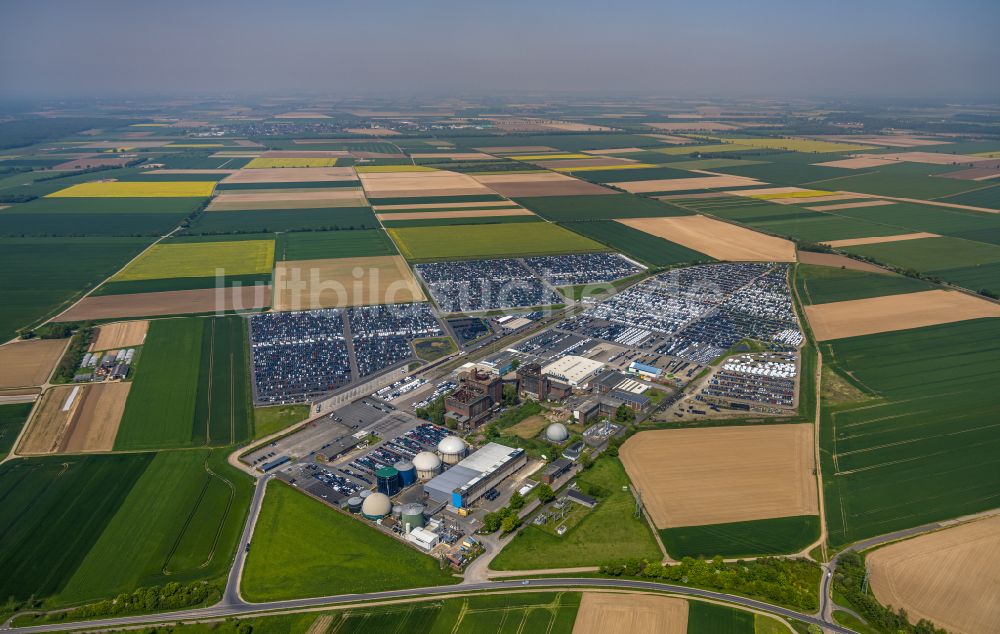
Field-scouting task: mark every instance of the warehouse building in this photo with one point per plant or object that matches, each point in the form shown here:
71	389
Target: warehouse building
573	370
468	480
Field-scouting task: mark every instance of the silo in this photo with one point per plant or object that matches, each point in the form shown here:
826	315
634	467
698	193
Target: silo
452	449
397	510
364	494
412	517
354	504
376	506
427	465
387	481
407	473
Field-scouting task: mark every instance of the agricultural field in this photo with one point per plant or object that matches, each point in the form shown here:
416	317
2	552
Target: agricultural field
30	362
610	527
315	245
902	185
274	418
610	613
333	283
54	271
283	220
457	242
123	189
96	216
200	259
12	419
717	239
303	548
76	419
918	443
574	208
776	536
262	162
825	284
637	244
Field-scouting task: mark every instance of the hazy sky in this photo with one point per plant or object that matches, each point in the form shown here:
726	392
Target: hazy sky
941	48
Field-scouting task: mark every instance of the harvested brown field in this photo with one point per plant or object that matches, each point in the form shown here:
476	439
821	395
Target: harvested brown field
76	419
411	184
460	213
332	283
889	140
513	149
857	317
930	158
453	156
689	126
610	613
373	131
721	240
670	139
540	184
840	261
715	475
121	334
620	150
488	203
880	239
292	175
94	161
203	300
948	577
974	174
334	197
856	163
28	363
683	184
578	163
854	205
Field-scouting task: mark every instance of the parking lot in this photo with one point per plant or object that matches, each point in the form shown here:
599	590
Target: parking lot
583	268
477	285
381	335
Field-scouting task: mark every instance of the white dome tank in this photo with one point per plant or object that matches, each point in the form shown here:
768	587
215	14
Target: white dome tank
427	465
556	432
452	449
376	506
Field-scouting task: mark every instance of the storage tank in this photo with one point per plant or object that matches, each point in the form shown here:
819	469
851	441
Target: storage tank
354	504
364	494
427	465
556	432
397	510
412	517
387	481
452	449
407	473
376	506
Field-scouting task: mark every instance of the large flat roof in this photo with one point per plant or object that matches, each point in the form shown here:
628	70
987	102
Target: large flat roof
573	368
479	465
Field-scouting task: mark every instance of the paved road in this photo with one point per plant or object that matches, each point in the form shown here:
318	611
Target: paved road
221	611
231	596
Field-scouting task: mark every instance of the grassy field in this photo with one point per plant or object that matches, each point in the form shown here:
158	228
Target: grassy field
119	189
95	216
316	245
12	419
988	197
710	618
274	418
923	446
570	208
637	244
788	173
159	413
824	284
181	532
420	200
972	225
303	548
53	271
779	536
456	242
179	284
53	511
165	260
222	413
264	162
903	185
798	145
441	222
433	348
609	531
267	221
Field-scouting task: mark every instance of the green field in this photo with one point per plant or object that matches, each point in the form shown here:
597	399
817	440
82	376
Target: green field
222	413
200	259
609	531
303	548
891	184
442	222
824	284
432	348
52	511
457	242
790	173
266	221
923	446
778	536
179	284
637	244
570	208
710	618
317	245
95	216
12	419
52	271
565	142
422	200
972	225
988	197
273	418
819	227
179	522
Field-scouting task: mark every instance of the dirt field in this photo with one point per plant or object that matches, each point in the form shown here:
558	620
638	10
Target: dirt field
856	163
540	184
854	205
453	156
688	126
338	197
489	203
288	175
458	213
931	158
721	240
122	334
620	150
204	300
714	475
332	283
888	140
880	239
895	312
513	149
839	261
405	184
683	184
28	363
373	131
608	613
974	174
74	419
948	577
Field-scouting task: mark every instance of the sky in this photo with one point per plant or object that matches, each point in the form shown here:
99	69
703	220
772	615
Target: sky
737	48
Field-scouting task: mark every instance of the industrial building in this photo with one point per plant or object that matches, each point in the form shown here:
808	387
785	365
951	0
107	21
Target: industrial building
477	393
555	469
573	370
468	480
644	371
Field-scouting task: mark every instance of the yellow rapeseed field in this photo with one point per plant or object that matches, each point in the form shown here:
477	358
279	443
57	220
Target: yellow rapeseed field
264	162
200	259
118	189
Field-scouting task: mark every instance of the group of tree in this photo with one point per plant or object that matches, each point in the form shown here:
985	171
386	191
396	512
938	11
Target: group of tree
434	411
848	580
505	520
71	359
790	582
171	596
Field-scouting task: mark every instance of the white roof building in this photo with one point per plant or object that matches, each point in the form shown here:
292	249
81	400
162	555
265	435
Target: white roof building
423	538
572	369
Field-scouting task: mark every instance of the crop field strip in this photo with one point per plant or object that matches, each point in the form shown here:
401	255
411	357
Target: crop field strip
823	284
579	208
921	444
457	242
637	244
